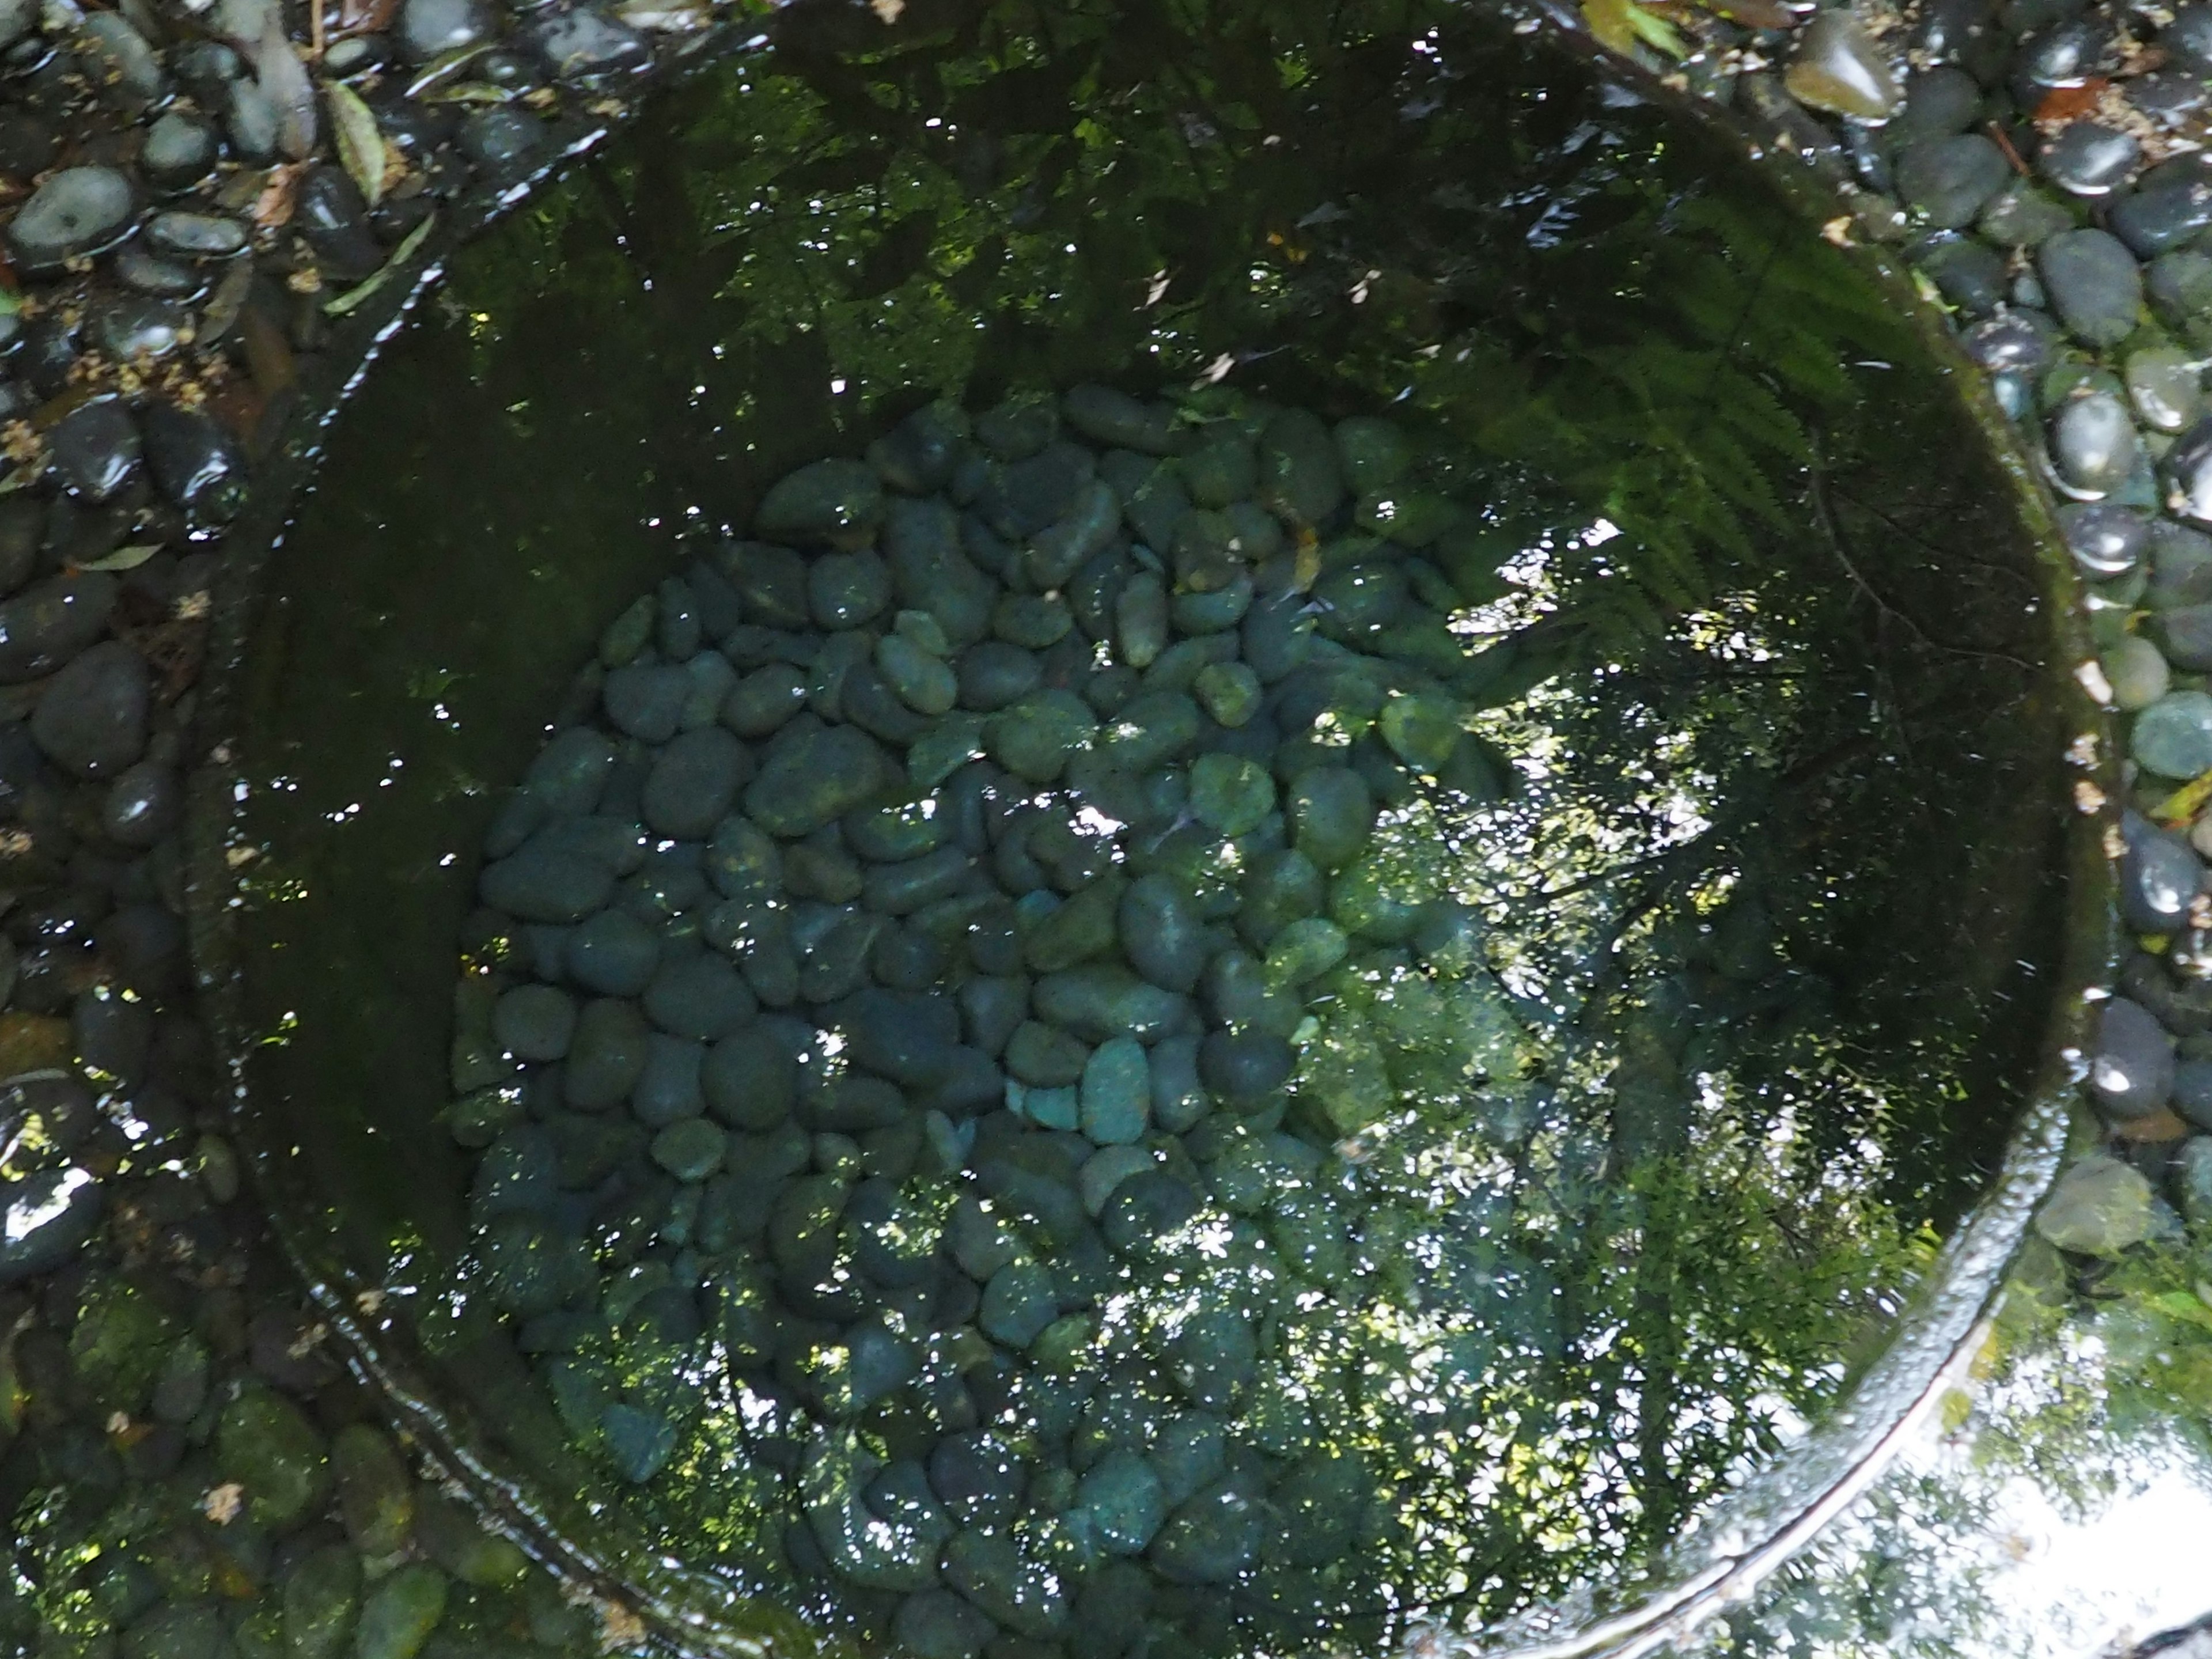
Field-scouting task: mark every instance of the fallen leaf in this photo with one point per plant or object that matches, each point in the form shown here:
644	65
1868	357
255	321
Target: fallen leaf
1753	14
279	196
360	142
889	10
400	255
124	558
1619	24
223	1503
2071	103
2185	803
619	1627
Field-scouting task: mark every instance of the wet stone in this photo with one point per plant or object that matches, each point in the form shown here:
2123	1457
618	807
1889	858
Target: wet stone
430	27
2164	387
399	1613
1947	181
1839	68
2173	738
2093	445
503	144
2087	159
77	211
2094	284
2099	1207
96	449
91	719
2131	1067
180	149
190	235
2137	673
585	42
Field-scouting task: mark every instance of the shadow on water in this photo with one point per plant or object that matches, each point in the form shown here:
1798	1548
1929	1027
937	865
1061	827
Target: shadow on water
1764	817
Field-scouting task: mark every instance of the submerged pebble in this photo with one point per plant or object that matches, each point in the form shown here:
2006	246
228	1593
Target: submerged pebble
948	954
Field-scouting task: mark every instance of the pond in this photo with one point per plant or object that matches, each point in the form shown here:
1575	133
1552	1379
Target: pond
1149	829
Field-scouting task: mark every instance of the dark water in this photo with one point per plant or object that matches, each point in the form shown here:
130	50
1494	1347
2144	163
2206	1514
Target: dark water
1748	624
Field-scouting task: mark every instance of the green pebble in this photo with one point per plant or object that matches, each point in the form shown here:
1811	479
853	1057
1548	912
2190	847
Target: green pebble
1032	621
1304	950
319	1600
1229	691
400	1613
926	684
1421	730
627	634
1330	811
1116	1093
1106	1170
376	1499
2137	673
1018	1304
1044	1056
1076	931
1034	737
924	631
1051	1108
1140	619
1229	794
267	1447
2173	738
118	1346
1372	453
943	749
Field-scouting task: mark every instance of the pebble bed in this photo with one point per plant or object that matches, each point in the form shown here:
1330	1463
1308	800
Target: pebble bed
947	980
191	188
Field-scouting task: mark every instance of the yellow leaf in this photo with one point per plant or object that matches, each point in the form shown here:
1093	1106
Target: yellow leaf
2185	803
360	145
124	558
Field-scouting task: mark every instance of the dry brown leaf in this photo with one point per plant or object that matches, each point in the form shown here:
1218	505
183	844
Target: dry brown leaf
280	196
222	1503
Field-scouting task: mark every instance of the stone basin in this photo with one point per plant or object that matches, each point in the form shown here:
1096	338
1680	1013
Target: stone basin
1882	930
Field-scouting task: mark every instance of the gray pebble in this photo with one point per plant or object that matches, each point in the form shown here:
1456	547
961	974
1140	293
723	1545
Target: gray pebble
91	717
2094	284
75	212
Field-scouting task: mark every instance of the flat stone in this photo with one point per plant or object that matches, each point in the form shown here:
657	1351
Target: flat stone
195	235
2100	1207
2087	159
2173	738
91	717
2131	1067
1947	182
430	27
75	212
2093	283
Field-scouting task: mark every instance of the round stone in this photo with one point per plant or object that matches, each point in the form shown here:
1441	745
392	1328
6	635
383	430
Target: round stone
91	717
1839	68
2093	283
2173	738
690	1149
75	212
2137	672
2131	1065
2093	445
2087	159
2106	540
1947	181
535	1022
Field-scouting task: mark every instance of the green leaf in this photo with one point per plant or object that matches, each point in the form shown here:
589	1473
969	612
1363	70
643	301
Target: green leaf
360	142
400	255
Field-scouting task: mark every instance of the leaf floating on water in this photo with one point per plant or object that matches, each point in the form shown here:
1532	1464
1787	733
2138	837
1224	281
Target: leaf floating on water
1753	14
1619	24
400	255
124	558
468	92
444	66
360	142
2185	803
